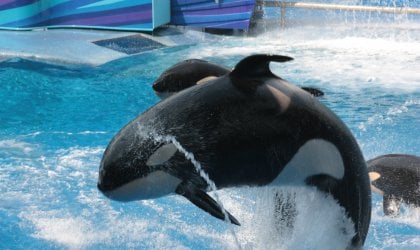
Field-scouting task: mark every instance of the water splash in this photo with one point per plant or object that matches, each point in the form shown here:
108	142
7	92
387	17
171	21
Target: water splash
197	165
318	221
387	117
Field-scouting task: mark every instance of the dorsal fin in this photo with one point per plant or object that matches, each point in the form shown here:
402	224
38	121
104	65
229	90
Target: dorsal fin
258	65
246	73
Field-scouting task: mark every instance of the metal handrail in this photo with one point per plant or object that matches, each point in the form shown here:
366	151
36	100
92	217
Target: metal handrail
323	6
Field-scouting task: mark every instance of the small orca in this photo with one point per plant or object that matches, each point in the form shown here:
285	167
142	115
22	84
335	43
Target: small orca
184	75
246	128
190	72
397	178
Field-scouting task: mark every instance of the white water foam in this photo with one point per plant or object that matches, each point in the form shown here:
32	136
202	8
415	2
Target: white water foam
397	232
81	232
57	200
86	132
390	115
337	59
17	148
319	224
408	214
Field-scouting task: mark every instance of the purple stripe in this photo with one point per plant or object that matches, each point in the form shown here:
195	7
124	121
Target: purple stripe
42	18
145	8
10	4
124	18
211	5
234	25
4	2
186	2
187	20
75	5
231	10
238	24
234	14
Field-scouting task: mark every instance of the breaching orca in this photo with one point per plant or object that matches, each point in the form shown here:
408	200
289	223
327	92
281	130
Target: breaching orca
397	178
190	72
249	127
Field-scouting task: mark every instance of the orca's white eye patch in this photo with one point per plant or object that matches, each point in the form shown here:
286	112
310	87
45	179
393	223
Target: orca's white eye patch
162	154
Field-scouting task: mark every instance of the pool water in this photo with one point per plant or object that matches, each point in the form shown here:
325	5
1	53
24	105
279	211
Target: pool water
55	122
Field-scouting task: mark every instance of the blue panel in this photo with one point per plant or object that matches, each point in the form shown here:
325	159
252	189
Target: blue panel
141	15
161	12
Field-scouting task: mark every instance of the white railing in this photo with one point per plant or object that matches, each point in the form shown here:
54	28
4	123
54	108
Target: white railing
324	6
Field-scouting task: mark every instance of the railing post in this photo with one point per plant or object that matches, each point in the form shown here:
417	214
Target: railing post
285	4
282	14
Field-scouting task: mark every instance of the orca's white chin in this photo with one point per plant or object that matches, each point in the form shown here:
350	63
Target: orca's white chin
154	185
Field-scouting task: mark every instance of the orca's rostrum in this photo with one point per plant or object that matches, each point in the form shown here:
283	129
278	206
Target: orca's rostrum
248	127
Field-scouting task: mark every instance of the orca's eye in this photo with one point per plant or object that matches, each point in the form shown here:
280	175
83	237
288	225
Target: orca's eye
162	154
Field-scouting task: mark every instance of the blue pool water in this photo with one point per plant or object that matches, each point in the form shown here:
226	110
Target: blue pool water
55	122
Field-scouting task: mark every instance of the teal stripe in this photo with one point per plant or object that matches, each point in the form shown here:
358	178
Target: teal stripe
110	4
16	14
135	27
101	3
23	12
216	18
161	12
142	26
